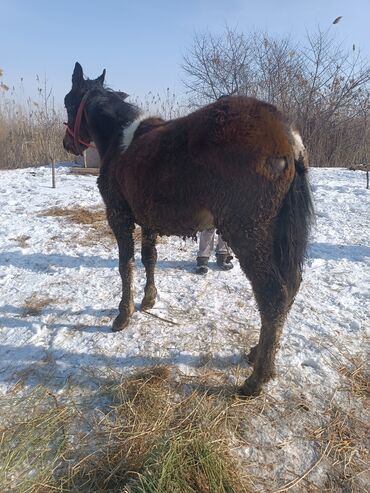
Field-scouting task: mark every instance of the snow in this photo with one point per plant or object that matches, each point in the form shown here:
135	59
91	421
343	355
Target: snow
196	319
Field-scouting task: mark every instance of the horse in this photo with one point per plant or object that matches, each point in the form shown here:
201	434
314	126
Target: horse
237	164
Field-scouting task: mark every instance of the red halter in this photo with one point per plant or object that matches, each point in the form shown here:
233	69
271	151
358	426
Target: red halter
75	133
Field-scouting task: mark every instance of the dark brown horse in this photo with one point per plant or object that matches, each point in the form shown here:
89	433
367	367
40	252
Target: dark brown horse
236	164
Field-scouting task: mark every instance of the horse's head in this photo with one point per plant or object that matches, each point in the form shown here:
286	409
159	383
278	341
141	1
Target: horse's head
77	136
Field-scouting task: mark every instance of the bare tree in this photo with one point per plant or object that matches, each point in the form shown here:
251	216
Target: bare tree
323	88
278	68
336	85
218	65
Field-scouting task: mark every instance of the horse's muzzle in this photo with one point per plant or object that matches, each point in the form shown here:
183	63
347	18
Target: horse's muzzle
69	145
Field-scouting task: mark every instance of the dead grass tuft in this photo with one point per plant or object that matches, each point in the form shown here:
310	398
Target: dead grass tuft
358	377
156	435
77	215
99	229
347	435
33	438
34	305
345	442
95	218
163	440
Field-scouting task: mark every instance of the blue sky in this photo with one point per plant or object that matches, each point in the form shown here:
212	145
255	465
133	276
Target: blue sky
141	43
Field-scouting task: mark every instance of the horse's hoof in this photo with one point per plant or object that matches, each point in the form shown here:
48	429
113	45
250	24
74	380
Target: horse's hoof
120	323
149	299
250	388
146	305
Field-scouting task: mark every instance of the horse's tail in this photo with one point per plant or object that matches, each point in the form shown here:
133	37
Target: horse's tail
293	226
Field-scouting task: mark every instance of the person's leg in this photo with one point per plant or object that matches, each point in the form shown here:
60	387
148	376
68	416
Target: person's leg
223	255
206	242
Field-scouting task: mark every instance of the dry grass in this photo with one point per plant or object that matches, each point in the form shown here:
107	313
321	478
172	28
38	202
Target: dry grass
98	228
162	440
31	130
346	448
357	376
32	440
35	304
25	143
79	215
160	431
165	105
155	436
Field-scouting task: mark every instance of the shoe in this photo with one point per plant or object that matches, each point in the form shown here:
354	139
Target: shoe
202	265
223	260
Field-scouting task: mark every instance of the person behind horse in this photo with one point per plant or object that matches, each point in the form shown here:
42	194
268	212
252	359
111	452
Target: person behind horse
206	244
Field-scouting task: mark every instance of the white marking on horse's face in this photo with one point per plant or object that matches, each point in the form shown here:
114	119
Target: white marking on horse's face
297	144
129	131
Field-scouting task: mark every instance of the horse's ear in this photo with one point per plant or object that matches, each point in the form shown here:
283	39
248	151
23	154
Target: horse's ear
101	78
77	76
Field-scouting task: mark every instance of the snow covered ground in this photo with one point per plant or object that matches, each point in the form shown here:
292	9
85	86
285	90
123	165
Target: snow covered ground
59	293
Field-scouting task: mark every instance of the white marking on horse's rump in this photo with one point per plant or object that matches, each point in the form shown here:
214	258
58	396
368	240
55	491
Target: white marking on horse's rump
129	131
298	146
278	164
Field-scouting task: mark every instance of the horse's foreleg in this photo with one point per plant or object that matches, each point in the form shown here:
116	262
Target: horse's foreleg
149	259
122	225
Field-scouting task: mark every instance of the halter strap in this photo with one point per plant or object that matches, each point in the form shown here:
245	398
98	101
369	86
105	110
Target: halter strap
75	133
72	134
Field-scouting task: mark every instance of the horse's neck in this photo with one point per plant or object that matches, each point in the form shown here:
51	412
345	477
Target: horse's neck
107	119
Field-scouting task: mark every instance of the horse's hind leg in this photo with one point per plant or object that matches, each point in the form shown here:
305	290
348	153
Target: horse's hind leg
252	354
122	224
149	259
274	299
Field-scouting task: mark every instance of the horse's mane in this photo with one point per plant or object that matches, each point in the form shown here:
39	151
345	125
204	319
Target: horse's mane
104	101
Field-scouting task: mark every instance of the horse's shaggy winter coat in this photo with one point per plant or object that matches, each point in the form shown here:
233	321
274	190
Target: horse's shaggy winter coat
236	164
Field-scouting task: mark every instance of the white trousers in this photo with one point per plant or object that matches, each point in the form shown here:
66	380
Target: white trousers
207	241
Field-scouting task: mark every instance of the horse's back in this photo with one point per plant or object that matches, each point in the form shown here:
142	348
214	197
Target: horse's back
242	130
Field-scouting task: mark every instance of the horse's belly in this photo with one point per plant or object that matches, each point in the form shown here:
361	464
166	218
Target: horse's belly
172	220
